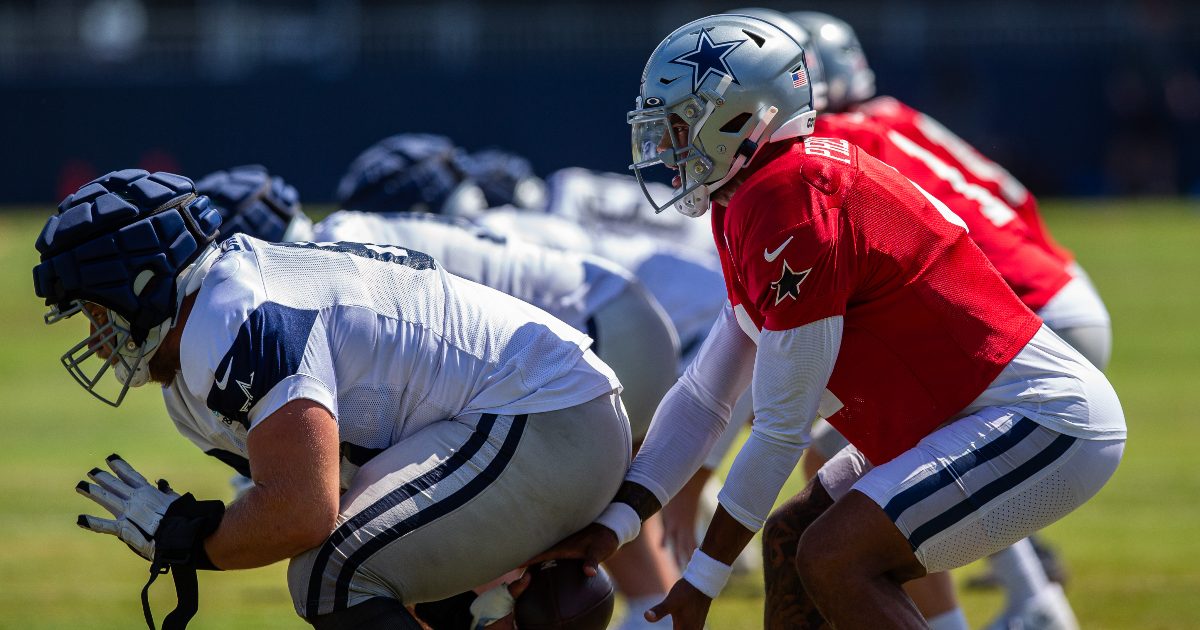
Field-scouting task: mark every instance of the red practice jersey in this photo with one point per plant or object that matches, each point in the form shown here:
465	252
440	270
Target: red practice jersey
935	137
1034	273
823	229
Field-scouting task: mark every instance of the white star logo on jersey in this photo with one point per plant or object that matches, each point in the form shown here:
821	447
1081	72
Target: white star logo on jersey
788	284
246	390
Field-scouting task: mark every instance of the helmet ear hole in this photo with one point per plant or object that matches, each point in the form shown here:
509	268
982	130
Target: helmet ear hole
736	123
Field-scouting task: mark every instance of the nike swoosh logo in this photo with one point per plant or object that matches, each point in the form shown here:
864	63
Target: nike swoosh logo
771	256
225	379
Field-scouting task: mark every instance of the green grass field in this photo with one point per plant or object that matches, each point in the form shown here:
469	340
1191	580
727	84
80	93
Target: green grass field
1133	551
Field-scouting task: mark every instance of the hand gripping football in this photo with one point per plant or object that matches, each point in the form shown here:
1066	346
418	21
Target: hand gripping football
560	596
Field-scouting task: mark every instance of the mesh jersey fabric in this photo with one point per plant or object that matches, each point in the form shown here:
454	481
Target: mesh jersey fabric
824	229
686	282
570	286
381	336
935	137
615	203
1032	272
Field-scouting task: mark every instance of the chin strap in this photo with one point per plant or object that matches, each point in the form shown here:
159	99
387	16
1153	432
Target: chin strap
179	550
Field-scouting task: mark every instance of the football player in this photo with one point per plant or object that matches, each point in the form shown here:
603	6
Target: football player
858	297
589	293
426	168
410	434
675	259
606	214
630	331
1075	312
505	178
1003	220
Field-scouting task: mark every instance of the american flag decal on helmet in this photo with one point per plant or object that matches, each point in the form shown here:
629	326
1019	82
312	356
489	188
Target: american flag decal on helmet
799	78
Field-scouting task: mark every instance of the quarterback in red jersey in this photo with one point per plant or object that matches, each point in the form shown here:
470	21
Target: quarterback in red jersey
856	296
814	235
1003	220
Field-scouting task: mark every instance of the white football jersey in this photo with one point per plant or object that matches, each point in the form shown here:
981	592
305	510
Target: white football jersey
687	282
536	227
672	255
569	285
381	336
618	204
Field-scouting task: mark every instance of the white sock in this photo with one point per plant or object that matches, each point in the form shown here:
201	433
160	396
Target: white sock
635	611
953	620
1019	571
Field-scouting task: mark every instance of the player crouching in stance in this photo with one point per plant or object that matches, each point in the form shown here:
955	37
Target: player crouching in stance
857	297
463	429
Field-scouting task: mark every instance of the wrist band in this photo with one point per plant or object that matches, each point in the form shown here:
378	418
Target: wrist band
622	519
706	574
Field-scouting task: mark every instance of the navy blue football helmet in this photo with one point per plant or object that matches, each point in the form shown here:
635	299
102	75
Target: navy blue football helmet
253	202
506	179
123	250
410	173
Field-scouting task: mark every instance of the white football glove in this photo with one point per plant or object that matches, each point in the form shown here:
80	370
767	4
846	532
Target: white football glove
137	505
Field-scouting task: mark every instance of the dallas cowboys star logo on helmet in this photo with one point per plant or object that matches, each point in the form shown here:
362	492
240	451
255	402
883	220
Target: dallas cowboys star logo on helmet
708	58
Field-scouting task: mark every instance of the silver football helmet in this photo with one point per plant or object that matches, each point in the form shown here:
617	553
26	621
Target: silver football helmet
849	78
712	93
816	75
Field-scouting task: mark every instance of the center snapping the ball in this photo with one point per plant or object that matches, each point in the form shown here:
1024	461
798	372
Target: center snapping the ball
560	596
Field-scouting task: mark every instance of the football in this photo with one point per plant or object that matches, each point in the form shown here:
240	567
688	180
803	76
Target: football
560	596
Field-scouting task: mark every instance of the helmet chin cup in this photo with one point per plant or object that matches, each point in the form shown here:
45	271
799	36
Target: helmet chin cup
695	203
135	375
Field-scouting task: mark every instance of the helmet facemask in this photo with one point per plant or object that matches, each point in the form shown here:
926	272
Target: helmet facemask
656	142
110	345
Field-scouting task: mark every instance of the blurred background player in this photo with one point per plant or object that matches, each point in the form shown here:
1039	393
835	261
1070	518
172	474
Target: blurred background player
325	367
379	196
609	215
606	214
588	293
1076	313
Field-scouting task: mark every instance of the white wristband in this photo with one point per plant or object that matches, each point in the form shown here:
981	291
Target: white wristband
622	519
706	574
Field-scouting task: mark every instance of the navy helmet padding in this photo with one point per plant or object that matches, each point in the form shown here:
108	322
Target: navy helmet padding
251	201
115	228
402	173
497	174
